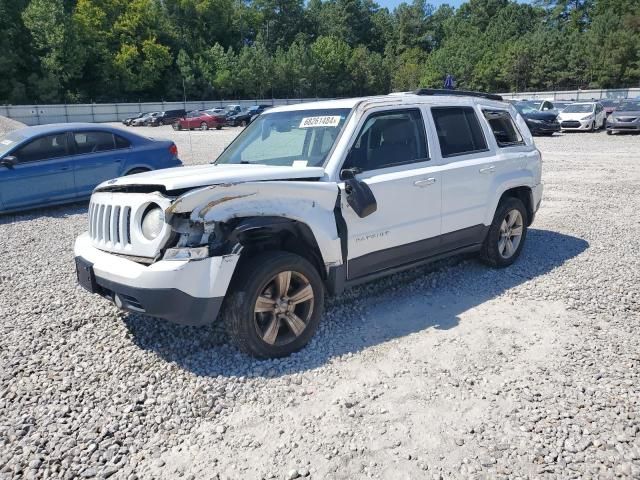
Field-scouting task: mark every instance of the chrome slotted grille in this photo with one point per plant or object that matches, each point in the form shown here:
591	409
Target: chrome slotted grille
110	225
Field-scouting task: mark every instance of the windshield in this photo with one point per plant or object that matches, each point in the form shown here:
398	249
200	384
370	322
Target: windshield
560	105
294	138
609	103
579	108
534	105
524	108
8	141
629	107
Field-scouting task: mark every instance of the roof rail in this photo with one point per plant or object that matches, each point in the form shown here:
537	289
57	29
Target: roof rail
456	93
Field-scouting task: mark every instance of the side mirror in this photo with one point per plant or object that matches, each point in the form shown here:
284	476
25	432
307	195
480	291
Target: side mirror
359	195
9	161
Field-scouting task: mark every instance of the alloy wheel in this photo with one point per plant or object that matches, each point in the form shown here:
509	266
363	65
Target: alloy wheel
283	308
511	230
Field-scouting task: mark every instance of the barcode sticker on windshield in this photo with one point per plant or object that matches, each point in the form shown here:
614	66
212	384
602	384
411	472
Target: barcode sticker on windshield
6	142
326	121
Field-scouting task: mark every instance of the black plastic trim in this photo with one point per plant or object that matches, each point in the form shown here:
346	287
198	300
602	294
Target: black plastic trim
457	93
167	303
416	251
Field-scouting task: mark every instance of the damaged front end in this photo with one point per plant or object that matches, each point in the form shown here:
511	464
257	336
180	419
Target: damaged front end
212	221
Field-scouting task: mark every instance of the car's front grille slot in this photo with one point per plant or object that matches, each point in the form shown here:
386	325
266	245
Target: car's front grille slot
570	124
109	224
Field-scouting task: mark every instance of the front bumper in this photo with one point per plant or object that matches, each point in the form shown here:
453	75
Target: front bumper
184	292
623	126
576	125
543	128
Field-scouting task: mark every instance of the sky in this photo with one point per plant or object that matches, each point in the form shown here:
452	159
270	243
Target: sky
391	4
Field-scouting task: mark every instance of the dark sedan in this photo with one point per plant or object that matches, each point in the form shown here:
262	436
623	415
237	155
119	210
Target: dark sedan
539	123
168	117
53	164
245	117
625	118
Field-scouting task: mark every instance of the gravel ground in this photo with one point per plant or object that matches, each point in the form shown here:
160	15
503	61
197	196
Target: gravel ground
449	371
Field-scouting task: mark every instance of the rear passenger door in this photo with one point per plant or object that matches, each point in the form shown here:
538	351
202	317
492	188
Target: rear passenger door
98	157
476	154
469	165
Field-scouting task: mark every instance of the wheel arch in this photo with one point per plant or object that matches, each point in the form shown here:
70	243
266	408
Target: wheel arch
264	233
525	195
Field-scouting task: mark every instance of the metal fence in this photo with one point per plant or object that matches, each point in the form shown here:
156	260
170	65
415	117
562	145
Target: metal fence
577	95
115	112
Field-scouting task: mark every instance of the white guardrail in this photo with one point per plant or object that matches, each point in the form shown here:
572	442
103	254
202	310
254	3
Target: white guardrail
576	95
115	112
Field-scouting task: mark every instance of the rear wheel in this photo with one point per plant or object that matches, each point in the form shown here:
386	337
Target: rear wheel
219	127
507	233
204	126
275	304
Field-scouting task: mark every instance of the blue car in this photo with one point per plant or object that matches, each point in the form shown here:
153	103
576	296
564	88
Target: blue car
54	164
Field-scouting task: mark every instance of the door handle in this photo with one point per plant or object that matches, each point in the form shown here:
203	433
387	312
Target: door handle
489	169
425	182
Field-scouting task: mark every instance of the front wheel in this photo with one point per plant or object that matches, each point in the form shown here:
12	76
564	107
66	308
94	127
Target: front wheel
507	233
204	126
275	304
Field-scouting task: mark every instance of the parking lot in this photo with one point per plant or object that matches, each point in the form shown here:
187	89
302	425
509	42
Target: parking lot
452	370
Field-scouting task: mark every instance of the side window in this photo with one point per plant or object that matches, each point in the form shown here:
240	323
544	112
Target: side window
122	142
459	131
91	142
388	139
43	148
503	128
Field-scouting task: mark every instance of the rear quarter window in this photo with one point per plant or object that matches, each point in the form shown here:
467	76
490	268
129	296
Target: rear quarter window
504	129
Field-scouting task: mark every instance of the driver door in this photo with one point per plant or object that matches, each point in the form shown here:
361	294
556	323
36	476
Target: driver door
390	155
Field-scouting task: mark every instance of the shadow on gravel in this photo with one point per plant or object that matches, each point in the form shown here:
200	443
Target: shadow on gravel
60	211
427	297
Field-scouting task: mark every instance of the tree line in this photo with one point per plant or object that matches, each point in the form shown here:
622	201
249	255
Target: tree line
129	50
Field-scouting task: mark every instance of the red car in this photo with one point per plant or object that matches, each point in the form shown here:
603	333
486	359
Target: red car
200	120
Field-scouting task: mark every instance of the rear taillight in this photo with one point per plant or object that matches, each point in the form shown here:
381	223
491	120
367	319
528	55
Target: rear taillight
173	150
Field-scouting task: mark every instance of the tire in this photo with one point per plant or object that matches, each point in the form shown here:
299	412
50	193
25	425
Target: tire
136	170
218	127
244	123
271	333
609	132
204	126
161	123
593	127
493	251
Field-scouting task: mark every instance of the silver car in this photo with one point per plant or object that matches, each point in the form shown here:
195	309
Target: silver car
625	118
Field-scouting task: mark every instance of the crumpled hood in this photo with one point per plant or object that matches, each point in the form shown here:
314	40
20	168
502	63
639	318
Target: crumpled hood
204	175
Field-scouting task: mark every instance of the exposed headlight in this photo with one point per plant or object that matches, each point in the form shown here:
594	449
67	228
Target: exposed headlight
197	253
588	117
152	222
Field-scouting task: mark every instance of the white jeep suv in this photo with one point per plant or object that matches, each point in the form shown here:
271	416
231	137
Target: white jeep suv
310	199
